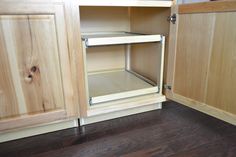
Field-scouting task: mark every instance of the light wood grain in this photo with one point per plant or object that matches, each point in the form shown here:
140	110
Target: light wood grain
205	108
29	120
192	55
146	58
171	52
38	77
208	7
66	74
8	99
222	73
114	82
201	63
75	57
104	19
134	3
37	94
105	58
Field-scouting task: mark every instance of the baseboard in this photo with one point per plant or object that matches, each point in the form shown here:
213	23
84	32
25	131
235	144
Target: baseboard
37	130
117	114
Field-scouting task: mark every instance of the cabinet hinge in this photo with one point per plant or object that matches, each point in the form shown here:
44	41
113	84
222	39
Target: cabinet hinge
172	18
169	87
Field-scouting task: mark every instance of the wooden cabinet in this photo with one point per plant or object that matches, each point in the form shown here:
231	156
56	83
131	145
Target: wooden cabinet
202	58
35	79
123	58
53	66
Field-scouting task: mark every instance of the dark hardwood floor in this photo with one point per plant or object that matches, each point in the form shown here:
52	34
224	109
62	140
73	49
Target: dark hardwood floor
174	131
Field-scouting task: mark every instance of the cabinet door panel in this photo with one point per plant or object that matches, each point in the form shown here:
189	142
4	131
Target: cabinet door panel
222	73
31	43
201	61
35	78
192	56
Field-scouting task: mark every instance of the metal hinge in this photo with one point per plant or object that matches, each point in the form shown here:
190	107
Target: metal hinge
169	87
172	18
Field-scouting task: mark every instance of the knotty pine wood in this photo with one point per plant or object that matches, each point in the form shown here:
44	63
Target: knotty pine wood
34	44
75	56
8	98
34	62
174	131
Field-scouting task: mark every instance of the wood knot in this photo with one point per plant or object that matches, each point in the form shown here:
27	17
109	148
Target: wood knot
29	78
34	69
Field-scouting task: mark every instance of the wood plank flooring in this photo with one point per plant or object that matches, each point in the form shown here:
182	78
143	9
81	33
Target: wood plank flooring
174	131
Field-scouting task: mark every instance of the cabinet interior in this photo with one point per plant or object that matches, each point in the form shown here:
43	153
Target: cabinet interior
117	68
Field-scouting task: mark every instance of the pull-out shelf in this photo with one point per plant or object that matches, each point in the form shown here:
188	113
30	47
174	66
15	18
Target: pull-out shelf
104	86
117	38
108	86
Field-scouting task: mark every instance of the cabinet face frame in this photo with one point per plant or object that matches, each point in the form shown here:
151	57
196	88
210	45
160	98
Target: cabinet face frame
189	14
56	9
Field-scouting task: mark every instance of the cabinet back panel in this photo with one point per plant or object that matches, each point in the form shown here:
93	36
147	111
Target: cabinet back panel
105	58
148	21
104	19
145	60
32	48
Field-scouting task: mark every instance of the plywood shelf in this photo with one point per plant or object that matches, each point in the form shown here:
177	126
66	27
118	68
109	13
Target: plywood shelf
116	38
115	85
126	3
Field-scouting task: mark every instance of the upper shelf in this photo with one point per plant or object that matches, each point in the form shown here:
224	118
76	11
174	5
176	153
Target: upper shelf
126	3
115	38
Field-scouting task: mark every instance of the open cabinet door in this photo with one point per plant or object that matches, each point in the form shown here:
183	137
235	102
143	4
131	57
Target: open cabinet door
201	70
